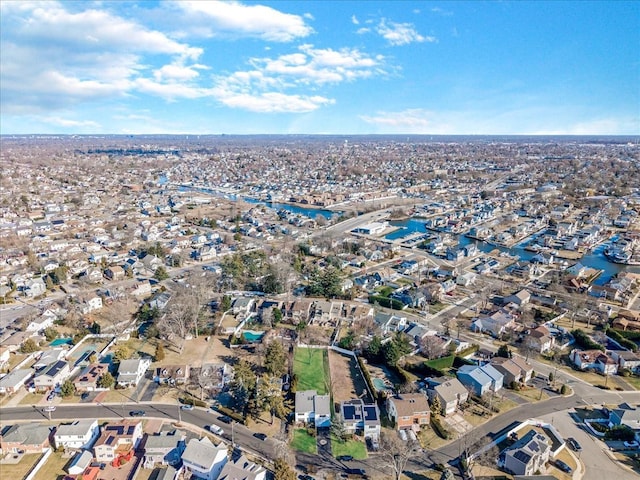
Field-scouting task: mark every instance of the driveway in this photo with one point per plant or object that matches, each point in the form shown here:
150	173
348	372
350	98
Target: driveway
598	465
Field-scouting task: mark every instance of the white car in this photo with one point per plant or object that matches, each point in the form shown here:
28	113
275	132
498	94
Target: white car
216	429
49	408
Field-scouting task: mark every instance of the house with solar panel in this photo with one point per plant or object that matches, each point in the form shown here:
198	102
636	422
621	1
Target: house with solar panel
361	418
52	376
527	456
118	440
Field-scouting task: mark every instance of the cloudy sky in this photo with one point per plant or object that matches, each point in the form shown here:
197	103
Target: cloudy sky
338	67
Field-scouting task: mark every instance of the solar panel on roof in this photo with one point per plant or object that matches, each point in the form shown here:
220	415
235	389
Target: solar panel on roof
110	440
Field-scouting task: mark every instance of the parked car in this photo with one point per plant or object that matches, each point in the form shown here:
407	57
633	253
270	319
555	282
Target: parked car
225	418
260	436
344	458
84	396
137	413
633	444
573	444
304	476
49	408
186	407
216	429
563	466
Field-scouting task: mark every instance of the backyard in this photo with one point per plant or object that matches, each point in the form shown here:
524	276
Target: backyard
345	386
53	468
311	366
20	469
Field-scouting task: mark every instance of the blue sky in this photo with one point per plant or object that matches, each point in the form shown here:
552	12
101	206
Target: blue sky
334	67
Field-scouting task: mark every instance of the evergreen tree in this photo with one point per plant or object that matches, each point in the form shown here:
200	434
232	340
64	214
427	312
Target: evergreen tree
68	388
159	356
282	470
106	381
275	361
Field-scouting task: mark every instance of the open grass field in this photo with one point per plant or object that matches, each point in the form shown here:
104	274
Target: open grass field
444	363
358	450
311	365
303	442
53	468
20	469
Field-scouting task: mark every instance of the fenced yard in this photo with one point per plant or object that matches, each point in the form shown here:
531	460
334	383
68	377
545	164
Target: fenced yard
346	379
311	366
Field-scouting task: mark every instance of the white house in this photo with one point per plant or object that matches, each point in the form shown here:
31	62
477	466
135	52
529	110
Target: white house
80	463
15	379
91	304
203	459
311	407
40	323
242	469
52	376
130	372
80	434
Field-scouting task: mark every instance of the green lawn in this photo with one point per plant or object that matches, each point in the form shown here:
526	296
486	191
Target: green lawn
357	450
311	366
633	380
444	363
303	442
20	470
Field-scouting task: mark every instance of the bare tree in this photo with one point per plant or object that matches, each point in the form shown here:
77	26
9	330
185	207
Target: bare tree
182	314
397	453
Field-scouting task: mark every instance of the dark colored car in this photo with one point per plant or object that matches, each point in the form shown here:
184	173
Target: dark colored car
260	436
304	476
84	396
573	443
563	466
344	458
356	472
137	413
225	418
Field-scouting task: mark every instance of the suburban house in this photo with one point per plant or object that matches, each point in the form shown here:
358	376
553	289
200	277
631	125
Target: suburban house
519	298
450	394
629	417
409	410
118	440
40	323
91	304
311	407
26	437
130	372
527	456
14	380
164	449
514	369
242	469
151	262
172	374
624	358
34	287
160	300
87	381
361	418
77	435
48	357
480	379
114	273
594	360
388	322
495	324
540	339
52	376
203	459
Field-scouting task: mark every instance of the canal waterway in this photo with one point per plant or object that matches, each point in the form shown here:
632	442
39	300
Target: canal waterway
593	259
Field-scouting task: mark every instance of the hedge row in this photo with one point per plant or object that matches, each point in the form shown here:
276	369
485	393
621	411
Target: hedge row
367	377
625	342
468	351
193	401
386	302
584	341
440	429
630	334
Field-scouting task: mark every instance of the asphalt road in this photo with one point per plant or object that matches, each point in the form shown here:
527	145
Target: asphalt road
239	434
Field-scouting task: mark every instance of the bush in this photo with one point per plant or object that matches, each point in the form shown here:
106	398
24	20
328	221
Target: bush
386	302
564	389
367	378
468	351
437	426
584	341
192	401
625	342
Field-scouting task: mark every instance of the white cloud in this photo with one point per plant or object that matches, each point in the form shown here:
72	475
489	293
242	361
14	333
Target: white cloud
441	12
53	58
65	122
272	102
401	33
355	20
216	18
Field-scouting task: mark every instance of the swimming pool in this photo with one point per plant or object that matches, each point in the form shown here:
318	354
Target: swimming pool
61	341
379	384
253	337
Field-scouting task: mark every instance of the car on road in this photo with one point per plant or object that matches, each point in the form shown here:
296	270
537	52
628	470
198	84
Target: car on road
344	458
137	413
215	429
225	418
563	466
260	436
304	476
186	407
49	408
356	473
573	444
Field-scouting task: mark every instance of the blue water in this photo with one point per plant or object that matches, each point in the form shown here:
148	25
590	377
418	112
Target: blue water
594	259
309	212
61	341
252	337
